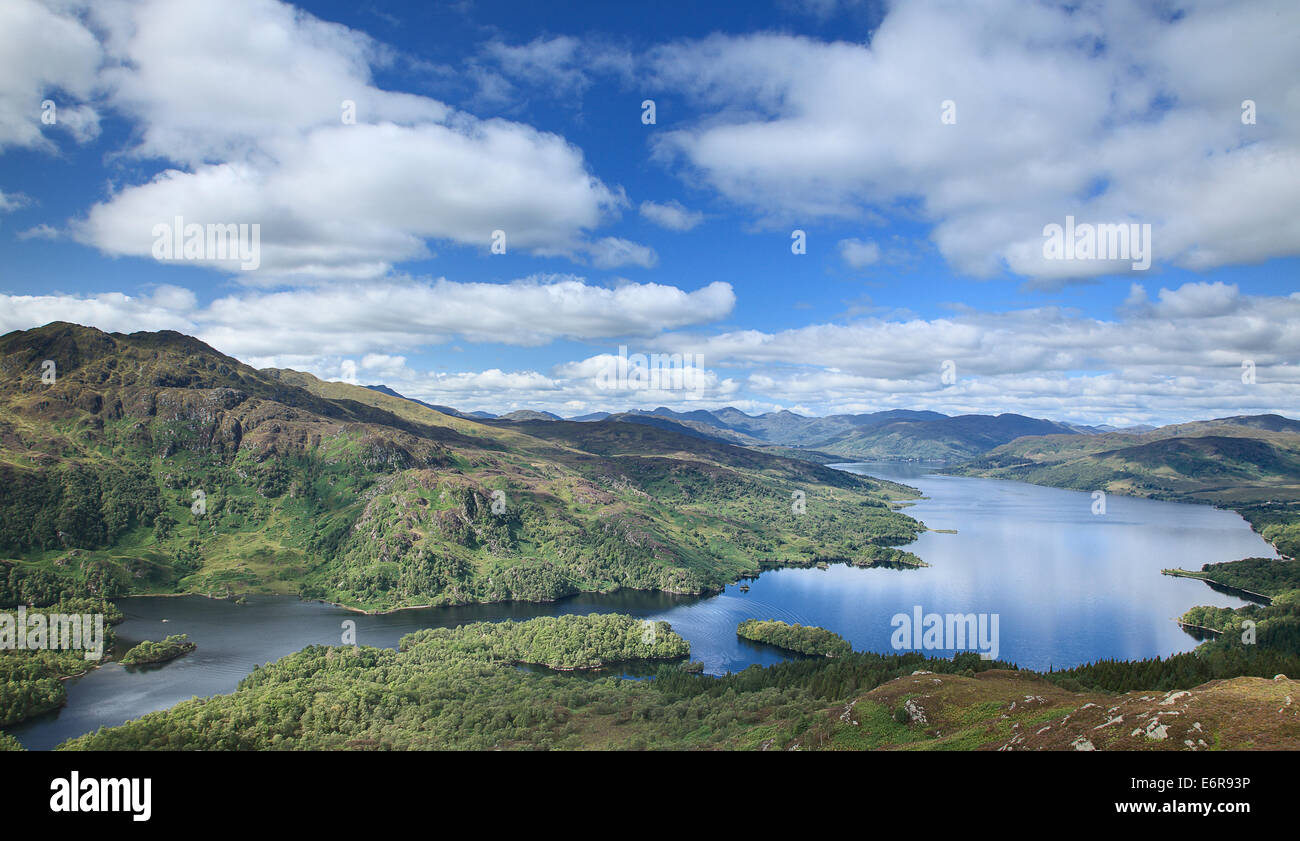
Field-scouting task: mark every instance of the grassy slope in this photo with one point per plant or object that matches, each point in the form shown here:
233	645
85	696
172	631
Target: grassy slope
344	493
1009	710
1223	463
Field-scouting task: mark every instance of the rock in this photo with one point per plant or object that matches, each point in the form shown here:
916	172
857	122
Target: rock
1156	731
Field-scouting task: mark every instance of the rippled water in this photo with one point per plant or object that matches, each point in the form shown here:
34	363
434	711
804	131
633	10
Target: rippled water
1068	586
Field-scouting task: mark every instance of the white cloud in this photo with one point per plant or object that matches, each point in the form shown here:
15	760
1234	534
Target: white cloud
1179	358
379	316
859	254
571	389
9	202
1108	111
560	66
167	308
612	252
384	365
671	215
46	54
41	231
1199	300
251	116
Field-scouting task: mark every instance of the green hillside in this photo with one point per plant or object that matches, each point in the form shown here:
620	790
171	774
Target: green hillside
155	464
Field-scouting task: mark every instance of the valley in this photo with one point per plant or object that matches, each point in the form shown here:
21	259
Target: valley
153	465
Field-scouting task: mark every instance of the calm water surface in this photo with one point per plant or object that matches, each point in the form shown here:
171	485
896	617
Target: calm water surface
1068	586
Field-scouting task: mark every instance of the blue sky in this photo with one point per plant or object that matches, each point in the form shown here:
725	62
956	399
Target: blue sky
922	148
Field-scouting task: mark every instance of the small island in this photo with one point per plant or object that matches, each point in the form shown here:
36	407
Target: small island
883	556
148	651
804	639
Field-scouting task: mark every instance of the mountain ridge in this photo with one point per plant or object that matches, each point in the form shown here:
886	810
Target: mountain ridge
151	462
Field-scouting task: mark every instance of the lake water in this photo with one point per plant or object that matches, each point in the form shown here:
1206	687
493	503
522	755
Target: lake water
1068	587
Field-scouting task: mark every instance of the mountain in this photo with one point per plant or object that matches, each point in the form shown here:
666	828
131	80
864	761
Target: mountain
941	439
891	435
691	427
895	434
153	463
790	429
527	415
1250	463
1226	460
446	410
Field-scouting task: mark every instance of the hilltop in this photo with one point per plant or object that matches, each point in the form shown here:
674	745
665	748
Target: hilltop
154	463
1241	459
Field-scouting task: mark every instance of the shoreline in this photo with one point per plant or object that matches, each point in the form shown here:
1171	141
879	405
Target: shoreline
1188	573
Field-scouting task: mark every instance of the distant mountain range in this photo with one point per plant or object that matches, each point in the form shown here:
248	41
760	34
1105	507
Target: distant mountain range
896	434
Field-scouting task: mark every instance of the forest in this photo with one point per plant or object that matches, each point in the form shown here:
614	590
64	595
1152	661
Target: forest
31	681
149	651
805	639
458	689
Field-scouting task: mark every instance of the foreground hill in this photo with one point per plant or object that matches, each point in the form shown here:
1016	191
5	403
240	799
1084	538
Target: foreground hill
1012	710
458	688
151	462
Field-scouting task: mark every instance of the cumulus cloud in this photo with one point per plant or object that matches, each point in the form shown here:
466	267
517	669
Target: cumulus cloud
372	318
165	308
859	254
46	55
571	388
1110	112
1168	363
671	215
1177	357
257	122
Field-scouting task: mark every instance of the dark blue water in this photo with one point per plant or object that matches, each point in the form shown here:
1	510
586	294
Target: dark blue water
1068	587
